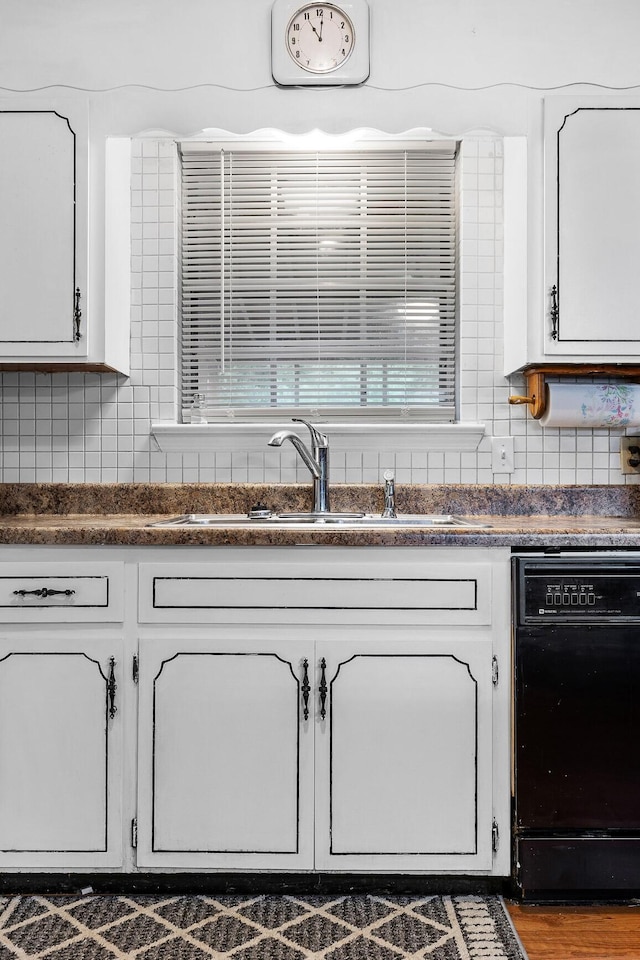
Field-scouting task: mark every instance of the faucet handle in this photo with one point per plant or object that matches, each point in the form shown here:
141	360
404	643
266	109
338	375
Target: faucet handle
318	439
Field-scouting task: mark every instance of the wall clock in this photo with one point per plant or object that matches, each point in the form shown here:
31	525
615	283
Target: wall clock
318	44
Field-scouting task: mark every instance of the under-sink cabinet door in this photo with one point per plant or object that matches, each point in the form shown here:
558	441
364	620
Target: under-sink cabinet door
60	752
225	754
403	755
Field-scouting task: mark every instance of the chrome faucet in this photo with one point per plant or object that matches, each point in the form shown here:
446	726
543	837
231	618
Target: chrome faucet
316	460
389	495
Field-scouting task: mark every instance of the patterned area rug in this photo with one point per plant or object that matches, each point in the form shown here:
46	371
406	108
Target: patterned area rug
256	928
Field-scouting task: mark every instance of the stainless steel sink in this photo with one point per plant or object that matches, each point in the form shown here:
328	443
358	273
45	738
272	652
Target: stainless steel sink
358	520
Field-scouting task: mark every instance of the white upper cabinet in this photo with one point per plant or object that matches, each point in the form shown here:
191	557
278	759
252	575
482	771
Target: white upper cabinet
48	317
592	229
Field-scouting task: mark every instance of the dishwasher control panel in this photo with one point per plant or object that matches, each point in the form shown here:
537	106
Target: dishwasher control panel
571	590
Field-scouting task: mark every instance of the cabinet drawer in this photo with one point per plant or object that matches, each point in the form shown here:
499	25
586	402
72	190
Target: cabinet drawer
312	593
61	592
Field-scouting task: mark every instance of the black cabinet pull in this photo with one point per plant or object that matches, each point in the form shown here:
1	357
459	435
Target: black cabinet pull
77	316
554	312
112	686
323	689
306	687
43	592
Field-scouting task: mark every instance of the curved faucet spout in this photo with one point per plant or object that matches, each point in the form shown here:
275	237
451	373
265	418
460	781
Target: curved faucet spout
278	439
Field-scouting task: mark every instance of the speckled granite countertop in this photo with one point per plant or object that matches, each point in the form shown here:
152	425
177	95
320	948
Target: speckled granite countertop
120	514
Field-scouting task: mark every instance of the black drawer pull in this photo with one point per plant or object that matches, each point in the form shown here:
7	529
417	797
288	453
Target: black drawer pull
43	592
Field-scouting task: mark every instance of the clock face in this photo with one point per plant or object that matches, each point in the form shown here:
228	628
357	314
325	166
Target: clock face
320	37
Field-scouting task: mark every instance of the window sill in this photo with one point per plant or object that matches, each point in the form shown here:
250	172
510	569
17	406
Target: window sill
382	437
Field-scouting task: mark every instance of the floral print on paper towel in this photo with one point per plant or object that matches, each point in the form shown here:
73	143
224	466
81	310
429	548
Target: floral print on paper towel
609	404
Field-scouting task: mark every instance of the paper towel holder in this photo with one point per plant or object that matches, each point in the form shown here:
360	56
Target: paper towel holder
536	374
536	393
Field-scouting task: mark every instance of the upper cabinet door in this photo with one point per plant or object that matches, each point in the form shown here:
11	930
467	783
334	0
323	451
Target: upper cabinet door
592	200
43	233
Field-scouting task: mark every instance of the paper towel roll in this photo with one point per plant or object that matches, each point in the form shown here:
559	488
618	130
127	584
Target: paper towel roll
592	405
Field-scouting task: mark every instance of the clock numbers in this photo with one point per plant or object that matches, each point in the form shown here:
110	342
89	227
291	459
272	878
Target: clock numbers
320	38
319	42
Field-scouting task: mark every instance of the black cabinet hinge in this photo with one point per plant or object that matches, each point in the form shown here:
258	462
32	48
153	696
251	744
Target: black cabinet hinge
135	669
495	671
134	832
495	836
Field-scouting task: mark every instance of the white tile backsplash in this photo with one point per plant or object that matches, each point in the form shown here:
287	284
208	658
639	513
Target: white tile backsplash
95	427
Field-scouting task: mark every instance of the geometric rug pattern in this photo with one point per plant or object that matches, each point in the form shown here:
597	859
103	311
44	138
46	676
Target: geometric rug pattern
361	927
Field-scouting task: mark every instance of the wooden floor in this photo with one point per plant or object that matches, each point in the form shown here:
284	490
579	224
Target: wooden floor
578	933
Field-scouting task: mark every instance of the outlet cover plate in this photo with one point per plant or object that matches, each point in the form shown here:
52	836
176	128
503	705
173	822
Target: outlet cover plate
629	450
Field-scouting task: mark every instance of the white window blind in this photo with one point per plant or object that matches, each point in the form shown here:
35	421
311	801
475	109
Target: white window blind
320	282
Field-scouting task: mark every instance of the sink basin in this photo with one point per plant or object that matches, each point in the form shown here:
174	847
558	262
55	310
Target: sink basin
358	520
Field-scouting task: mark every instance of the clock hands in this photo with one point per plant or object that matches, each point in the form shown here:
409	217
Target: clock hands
318	35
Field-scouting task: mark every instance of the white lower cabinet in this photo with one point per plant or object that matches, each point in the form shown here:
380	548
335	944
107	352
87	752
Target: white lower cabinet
404	759
330	709
383	762
60	751
246	709
61	713
225	755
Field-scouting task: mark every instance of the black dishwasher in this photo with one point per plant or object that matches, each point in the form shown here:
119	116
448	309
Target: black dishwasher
577	725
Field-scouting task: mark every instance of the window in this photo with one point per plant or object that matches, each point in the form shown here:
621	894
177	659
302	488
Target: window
321	282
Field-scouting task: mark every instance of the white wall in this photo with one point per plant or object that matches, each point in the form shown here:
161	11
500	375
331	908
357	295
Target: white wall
457	66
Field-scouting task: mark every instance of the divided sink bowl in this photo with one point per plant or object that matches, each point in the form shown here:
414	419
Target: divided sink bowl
447	521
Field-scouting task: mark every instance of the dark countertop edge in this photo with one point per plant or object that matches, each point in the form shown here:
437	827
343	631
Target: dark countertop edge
140	536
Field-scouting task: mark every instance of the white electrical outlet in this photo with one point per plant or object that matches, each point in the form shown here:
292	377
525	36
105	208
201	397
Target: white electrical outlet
502	454
630	454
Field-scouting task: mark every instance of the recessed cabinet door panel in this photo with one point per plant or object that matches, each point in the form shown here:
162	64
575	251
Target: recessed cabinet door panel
592	201
40	232
59	754
407	743
224	776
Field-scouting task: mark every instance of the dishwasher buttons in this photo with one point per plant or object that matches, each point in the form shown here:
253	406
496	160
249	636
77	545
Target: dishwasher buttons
557	599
